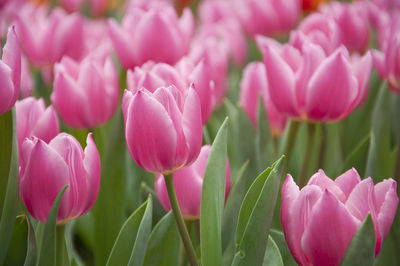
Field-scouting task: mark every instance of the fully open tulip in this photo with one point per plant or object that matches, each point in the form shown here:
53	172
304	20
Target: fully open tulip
163	129
34	119
46	168
254	84
188	186
303	83
320	220
10	72
85	94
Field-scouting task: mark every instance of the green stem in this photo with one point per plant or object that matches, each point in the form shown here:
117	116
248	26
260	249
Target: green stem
397	168
322	147
62	258
169	181
293	128
307	155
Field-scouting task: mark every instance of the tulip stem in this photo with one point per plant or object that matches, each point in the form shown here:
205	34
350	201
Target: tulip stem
61	247
307	155
293	128
397	169
322	147
169	181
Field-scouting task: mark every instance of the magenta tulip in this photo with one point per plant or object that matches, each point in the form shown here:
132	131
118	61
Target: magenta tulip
320	220
34	119
10	72
46	168
254	84
188	186
163	129
85	94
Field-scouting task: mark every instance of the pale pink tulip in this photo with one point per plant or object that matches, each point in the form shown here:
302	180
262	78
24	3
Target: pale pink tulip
254	84
10	72
319	220
85	94
163	129
188	186
46	168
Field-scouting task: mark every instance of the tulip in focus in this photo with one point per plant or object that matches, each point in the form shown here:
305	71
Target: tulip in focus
320	220
85	94
46	168
163	129
188	186
254	84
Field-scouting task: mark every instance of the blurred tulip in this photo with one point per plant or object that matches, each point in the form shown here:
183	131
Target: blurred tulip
26	80
34	119
320	220
310	5
47	37
303	84
254	84
157	35
188	186
163	129
10	72
46	168
71	5
85	94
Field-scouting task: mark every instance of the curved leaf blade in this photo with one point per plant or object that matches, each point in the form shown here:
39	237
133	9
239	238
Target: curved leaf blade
272	255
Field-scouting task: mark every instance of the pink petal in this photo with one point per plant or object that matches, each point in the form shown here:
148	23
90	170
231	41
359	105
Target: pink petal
12	57
47	127
362	70
6	89
347	181
123	44
379	63
324	182
169	75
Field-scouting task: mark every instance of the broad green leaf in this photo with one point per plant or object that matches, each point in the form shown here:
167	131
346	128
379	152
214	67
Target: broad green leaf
264	143
357	158
272	255
9	179
123	246
212	200
164	243
332	153
48	248
31	253
283	248
142	237
361	250
256	214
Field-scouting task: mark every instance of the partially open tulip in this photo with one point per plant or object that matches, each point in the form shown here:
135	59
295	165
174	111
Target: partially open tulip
303	83
157	35
34	119
10	72
254	84
85	94
188	186
163	129
320	220
46	168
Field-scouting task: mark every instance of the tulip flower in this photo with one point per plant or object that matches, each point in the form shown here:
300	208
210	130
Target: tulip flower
254	83
34	119
163	129
320	220
85	94
10	72
157	35
46	168
303	84
71	5
188	186
26	80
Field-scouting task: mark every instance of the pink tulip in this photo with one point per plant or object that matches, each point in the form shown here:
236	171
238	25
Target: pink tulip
46	168
10	72
147	4
303	83
320	220
188	186
254	84
85	94
163	129
46	37
26	80
156	35
34	119
71	5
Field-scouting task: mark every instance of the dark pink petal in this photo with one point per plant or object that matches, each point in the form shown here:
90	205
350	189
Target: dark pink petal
6	88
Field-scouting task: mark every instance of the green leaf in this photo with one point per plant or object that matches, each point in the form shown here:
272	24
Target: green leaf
164	243
31	253
123	246
283	248
272	255
357	158
9	179
212	200
361	250
48	248
256	215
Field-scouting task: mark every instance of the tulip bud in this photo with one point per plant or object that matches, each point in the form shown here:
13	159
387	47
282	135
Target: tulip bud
163	129
46	168
324	206
188	186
